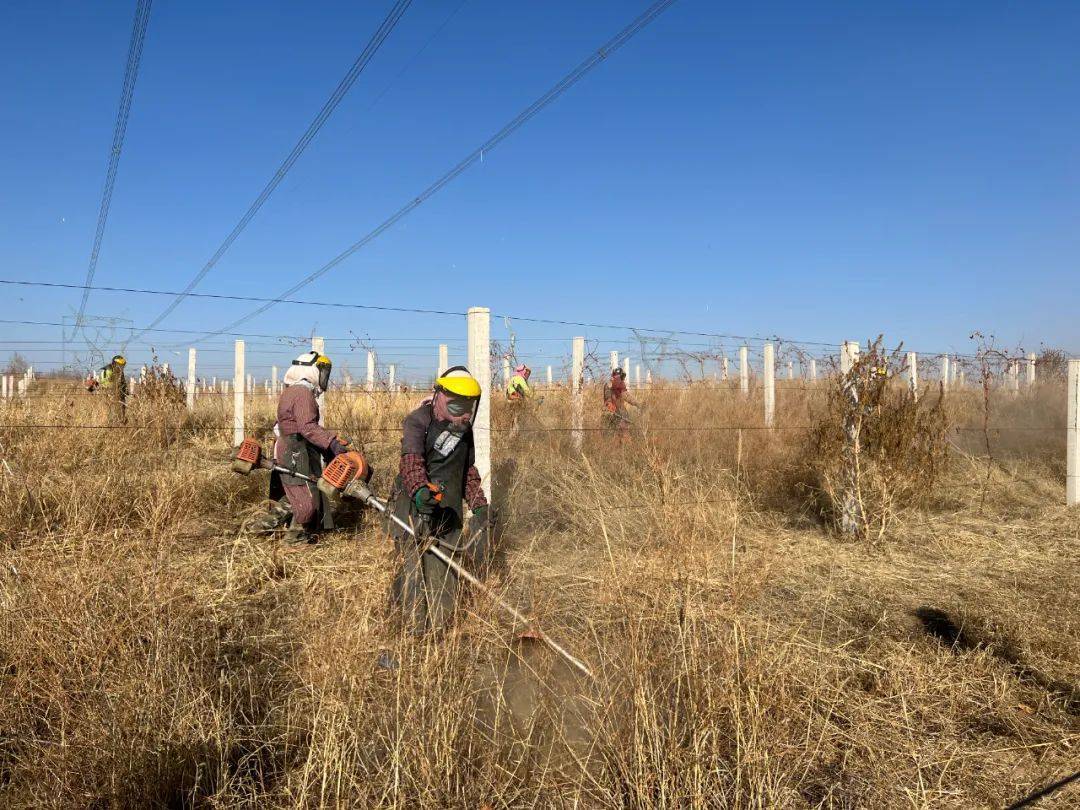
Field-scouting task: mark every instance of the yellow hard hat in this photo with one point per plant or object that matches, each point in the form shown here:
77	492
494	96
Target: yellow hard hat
119	360
458	380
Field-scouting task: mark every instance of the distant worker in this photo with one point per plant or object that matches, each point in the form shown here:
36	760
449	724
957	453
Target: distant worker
302	445
616	398
520	395
114	382
518	389
91	383
437	479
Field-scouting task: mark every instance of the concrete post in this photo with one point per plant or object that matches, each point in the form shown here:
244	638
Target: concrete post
318	345
391	377
3	386
577	404
1072	442
851	510
444	360
637	376
945	372
371	371
273	380
550	379
961	380
614	360
723	369
744	371
479	360
769	378
913	374
1031	370
791	370
849	353
813	369
1014	376
238	395
191	379
506	372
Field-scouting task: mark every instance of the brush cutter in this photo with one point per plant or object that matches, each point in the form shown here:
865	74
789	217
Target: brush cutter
348	476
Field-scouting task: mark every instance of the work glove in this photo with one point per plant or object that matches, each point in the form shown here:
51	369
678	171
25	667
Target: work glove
339	445
427	498
481	515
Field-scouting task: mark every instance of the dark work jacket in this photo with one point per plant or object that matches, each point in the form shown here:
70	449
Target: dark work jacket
447	455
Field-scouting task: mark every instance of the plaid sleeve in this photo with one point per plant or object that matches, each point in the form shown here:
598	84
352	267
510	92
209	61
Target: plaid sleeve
413	472
474	490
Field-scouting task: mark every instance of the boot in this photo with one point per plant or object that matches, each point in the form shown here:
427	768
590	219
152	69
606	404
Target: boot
297	536
276	516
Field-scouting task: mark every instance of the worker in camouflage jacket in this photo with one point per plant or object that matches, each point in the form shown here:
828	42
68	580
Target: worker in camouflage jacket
437	480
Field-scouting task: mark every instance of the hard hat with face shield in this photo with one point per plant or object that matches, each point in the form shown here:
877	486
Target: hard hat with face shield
320	362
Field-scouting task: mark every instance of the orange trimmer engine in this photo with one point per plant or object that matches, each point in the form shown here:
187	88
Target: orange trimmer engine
343	470
248	456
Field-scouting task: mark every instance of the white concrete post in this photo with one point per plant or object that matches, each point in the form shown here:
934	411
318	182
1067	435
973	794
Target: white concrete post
506	372
191	379
1072	443
849	353
3	386
648	378
238	395
391	376
744	371
813	369
444	360
851	510
723	369
913	374
479	360
626	364
1014	376
637	376
961	380
769	378
550	378
371	371
1031	370
791	369
945	372
318	345
614	360
273	380
577	404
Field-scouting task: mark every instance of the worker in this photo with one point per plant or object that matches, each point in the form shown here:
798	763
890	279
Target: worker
114	382
616	398
518	390
302	445
437	479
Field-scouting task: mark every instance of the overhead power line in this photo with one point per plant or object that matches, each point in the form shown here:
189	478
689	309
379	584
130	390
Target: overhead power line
377	39
268	302
560	87
131	74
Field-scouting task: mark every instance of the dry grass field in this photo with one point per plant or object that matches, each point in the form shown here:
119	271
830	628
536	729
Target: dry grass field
746	655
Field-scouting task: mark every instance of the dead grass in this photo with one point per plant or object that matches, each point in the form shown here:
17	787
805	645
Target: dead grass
150	656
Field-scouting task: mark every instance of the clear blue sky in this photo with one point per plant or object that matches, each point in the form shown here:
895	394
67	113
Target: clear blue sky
814	170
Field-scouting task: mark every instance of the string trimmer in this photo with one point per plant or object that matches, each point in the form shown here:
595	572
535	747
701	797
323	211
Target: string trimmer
347	475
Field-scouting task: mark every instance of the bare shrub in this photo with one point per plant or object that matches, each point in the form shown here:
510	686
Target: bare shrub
876	449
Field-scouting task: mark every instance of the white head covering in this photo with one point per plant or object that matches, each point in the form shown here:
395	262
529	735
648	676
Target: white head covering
302	375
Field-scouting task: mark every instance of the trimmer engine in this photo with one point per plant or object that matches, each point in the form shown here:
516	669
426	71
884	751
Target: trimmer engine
248	456
344	471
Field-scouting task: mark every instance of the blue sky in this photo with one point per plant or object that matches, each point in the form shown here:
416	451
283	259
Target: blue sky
820	171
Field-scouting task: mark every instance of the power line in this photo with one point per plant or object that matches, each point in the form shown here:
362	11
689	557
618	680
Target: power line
131	74
564	84
346	83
